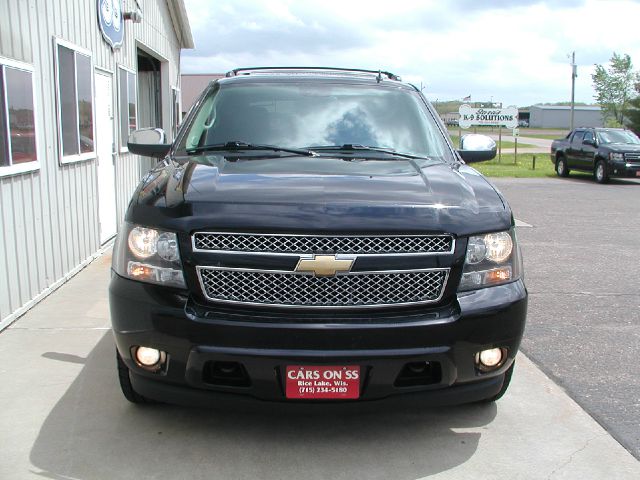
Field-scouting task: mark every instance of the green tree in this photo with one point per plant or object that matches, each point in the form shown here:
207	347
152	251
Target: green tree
632	114
614	86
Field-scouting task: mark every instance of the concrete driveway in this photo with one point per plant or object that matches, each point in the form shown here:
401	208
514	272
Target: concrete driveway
63	416
540	145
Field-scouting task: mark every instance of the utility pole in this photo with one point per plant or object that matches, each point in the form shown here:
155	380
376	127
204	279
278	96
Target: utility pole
574	74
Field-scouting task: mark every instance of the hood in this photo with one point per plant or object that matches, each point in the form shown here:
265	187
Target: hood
319	194
622	147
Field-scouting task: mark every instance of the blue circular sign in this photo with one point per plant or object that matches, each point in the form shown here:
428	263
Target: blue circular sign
111	22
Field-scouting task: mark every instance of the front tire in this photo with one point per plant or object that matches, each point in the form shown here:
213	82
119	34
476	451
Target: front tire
600	174
561	167
125	383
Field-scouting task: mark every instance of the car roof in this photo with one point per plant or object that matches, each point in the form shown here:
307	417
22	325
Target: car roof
313	75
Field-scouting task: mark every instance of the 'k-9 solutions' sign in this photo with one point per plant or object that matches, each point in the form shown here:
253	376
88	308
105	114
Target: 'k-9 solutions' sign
473	117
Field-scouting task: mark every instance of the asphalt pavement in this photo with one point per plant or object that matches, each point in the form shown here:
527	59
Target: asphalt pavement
582	271
63	416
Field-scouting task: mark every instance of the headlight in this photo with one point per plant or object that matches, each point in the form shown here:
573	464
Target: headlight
499	246
148	255
616	157
142	242
492	259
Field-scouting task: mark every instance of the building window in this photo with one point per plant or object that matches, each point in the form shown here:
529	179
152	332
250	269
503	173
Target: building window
75	102
18	150
128	105
176	113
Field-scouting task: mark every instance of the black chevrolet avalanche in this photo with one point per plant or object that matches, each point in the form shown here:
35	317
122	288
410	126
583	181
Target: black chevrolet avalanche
313	235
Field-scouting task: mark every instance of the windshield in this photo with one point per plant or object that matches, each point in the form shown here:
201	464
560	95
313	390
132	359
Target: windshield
618	136
318	115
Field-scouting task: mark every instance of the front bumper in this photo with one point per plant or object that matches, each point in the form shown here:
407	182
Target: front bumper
624	169
265	342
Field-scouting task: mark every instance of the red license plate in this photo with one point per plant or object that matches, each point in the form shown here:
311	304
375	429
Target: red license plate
323	382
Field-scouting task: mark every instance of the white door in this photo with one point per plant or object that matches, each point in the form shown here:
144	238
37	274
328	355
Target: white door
105	150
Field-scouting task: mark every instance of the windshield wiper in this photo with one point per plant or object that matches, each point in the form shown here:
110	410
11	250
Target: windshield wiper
240	146
355	147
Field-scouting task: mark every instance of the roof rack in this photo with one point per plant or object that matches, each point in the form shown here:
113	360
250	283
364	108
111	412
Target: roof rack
378	73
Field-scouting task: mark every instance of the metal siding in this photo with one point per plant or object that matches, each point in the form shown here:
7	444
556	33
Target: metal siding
50	216
5	272
10	295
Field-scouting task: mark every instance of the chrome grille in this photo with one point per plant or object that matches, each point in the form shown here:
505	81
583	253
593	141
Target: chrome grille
632	156
296	244
357	289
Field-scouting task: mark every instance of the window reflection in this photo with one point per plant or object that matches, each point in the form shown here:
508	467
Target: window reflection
132	102
314	115
4	143
128	105
21	117
67	100
85	103
75	100
17	119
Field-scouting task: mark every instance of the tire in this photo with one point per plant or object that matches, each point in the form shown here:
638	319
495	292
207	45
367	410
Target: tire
505	385
125	383
561	167
600	173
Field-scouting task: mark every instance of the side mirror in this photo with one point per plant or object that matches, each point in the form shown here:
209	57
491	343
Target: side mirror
477	148
149	142
590	142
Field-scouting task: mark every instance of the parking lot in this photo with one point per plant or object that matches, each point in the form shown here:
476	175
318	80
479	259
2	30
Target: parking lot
64	417
582	274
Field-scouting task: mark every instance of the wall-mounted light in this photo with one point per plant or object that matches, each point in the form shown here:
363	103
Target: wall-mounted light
135	16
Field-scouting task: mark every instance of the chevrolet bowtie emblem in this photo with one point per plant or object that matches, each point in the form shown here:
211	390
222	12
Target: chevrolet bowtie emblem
324	265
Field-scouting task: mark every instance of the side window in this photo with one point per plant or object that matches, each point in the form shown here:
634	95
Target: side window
588	135
128	104
18	152
205	118
74	94
577	138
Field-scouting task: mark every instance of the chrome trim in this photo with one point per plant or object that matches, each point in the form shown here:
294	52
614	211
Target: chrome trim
339	256
244	252
320	307
293	272
336	257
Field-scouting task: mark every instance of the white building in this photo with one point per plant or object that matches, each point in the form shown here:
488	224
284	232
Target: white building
551	116
68	100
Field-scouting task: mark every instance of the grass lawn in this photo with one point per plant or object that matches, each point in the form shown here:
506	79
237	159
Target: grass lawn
523	169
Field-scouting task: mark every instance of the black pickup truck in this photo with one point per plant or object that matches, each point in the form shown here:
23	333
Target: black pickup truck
606	152
313	235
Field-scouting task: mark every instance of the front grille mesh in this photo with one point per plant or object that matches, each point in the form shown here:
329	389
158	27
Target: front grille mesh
351	290
632	156
323	244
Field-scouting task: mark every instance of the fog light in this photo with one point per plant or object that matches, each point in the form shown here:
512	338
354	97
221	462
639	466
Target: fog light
490	358
148	357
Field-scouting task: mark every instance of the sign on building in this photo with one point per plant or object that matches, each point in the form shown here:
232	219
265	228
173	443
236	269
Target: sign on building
494	117
110	20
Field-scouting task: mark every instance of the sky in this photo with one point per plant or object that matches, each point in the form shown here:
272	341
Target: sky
510	51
